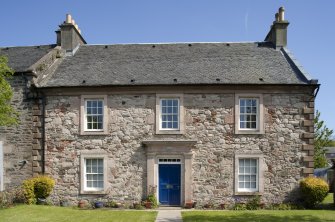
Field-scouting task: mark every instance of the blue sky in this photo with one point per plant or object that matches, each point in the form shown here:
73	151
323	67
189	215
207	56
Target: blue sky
311	32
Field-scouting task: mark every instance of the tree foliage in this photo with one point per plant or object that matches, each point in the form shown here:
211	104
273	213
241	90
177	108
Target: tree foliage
322	138
8	115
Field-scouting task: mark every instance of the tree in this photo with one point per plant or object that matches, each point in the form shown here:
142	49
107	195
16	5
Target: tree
8	115
322	138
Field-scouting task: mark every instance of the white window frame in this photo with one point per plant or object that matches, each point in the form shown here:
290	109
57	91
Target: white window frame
260	174
83	116
240	174
259	117
92	155
86	188
181	124
161	114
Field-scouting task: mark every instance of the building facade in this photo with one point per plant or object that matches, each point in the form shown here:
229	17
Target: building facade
189	122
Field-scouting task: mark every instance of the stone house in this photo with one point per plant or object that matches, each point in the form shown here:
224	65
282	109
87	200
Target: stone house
191	122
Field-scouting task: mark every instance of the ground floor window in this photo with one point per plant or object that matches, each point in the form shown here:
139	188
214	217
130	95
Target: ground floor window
248	174
94	174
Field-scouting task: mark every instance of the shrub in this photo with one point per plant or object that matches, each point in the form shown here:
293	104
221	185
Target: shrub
239	206
153	200
313	190
43	186
28	191
254	203
37	187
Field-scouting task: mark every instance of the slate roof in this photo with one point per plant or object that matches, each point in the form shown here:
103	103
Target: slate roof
21	58
176	63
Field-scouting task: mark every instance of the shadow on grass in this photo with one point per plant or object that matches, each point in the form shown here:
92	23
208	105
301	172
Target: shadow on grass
250	217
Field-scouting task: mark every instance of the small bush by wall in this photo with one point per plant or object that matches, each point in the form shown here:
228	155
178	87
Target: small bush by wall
37	187
314	190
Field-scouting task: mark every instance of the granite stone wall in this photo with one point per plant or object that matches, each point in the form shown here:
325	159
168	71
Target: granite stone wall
209	120
18	139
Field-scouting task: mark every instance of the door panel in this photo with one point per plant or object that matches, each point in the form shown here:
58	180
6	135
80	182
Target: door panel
169	184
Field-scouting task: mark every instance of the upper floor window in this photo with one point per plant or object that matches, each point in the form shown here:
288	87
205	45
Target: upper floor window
169	119
169	114
249	114
93	118
94	114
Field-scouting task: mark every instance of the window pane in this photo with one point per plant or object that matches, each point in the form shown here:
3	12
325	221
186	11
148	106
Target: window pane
248	103
241	185
94	103
248	125
100	184
175	109
175	118
89	184
242	118
163	102
254	102
175	102
175	125
89	125
164	125
240	178
169	118
247	170
253	118
241	170
253	170
169	102
169	124
95	183
95	176
99	104
241	162
100	111
242	102
247	185
164	109
169	109
253	185
253	162
253	125
253	178
247	162
242	125
89	177
254	109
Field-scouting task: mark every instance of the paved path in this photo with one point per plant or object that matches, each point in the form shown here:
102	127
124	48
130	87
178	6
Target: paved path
169	215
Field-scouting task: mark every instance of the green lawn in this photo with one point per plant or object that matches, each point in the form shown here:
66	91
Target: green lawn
34	213
260	216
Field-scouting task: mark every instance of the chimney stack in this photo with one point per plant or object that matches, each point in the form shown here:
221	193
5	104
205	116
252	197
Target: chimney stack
69	35
278	32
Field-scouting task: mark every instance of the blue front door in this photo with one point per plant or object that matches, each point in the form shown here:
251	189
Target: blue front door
169	184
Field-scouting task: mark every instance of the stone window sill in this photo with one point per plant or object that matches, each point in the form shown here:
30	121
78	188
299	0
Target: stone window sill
248	193
169	132
93	192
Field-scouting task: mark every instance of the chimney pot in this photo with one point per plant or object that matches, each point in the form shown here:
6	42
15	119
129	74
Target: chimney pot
281	14
277	17
73	22
68	18
77	27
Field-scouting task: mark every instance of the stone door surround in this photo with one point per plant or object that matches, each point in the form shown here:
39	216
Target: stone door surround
182	149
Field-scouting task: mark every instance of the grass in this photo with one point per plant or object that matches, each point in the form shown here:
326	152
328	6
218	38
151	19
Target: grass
260	216
35	213
265	215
